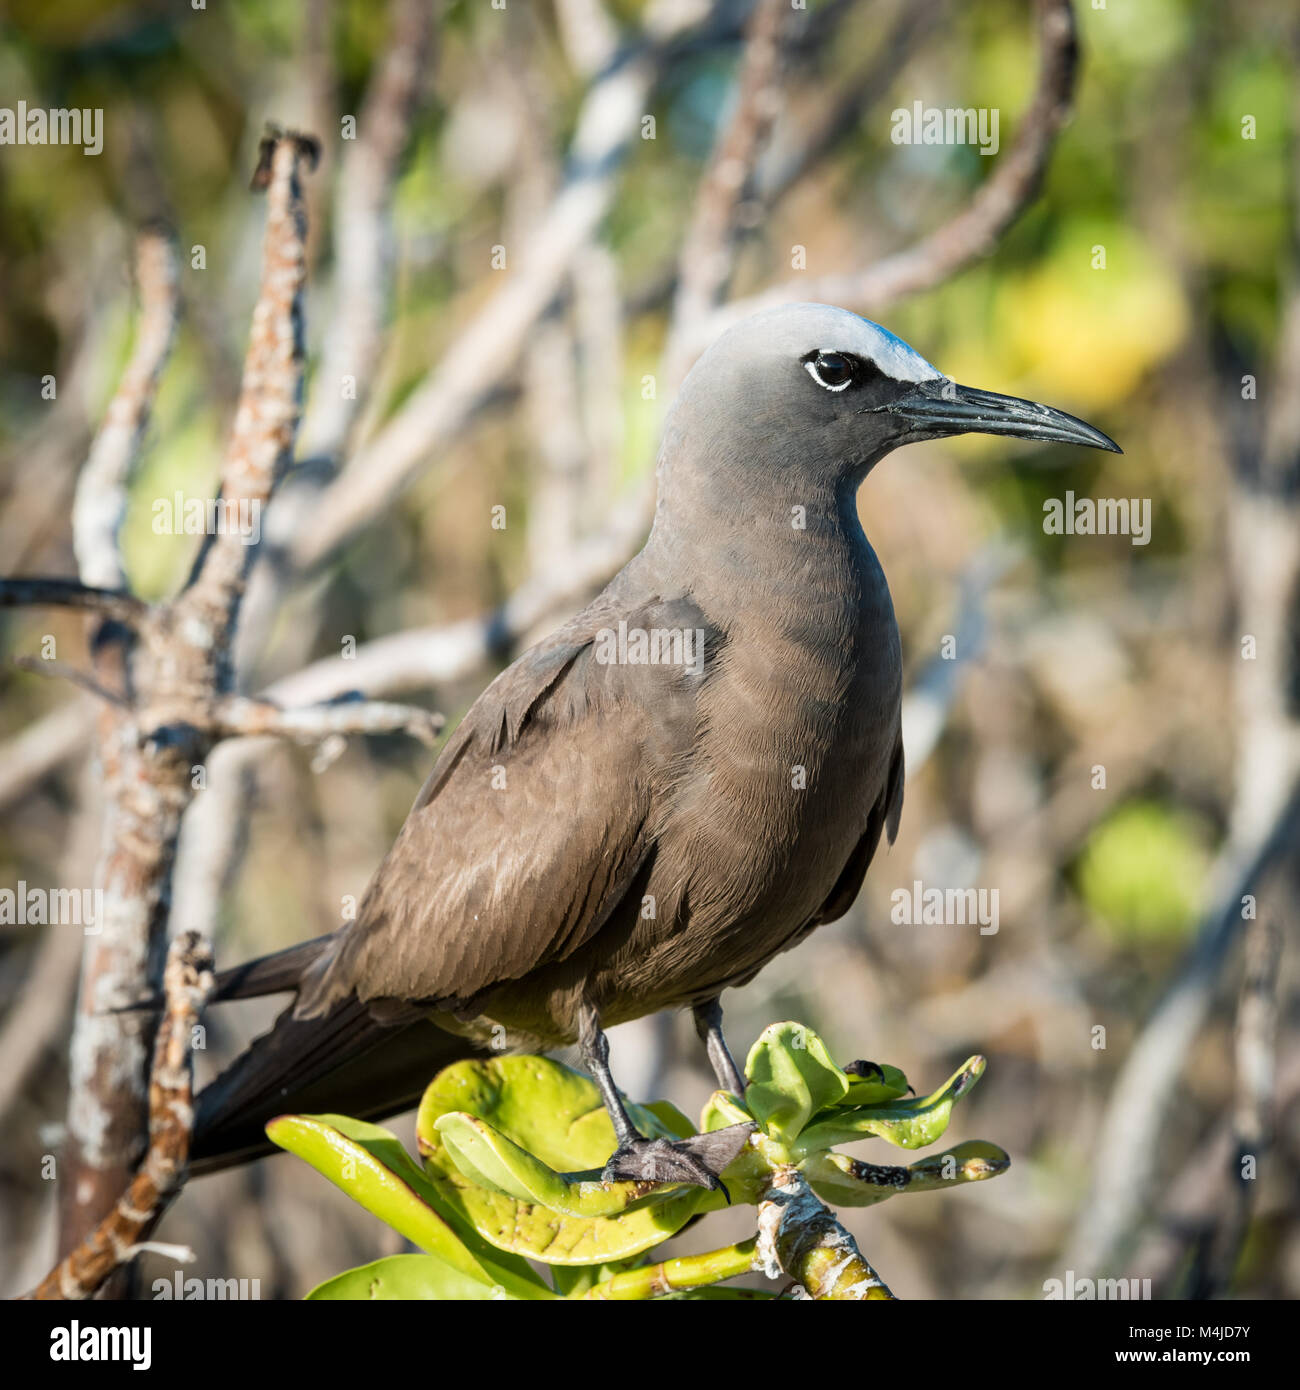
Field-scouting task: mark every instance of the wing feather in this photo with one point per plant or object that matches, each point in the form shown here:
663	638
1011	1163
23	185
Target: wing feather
533	825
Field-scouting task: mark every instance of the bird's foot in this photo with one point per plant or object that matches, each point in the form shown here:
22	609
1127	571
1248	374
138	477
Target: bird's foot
697	1161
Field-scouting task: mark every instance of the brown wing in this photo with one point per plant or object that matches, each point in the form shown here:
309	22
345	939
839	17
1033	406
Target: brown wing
531	827
884	816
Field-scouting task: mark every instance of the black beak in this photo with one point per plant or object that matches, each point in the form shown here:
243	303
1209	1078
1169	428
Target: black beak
941	407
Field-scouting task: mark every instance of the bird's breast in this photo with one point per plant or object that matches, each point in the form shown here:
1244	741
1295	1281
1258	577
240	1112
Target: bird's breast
796	731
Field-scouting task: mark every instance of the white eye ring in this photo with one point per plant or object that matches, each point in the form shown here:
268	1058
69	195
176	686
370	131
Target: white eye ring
811	365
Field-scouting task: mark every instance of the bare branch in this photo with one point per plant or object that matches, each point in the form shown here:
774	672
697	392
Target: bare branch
363	237
1124	1173
353	346
421	657
707	252
799	1236
187	982
236	716
270	400
178	670
62	670
479	358
589	35
39	1012
840	115
974	231
32	754
1252	1125
101	495
116	604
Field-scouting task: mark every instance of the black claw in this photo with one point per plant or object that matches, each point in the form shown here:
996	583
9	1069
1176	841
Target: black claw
865	1070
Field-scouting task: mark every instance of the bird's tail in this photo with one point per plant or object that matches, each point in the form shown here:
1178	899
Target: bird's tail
282	970
344	1061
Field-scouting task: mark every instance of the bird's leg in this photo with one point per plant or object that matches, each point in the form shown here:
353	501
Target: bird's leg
708	1024
697	1160
593	1046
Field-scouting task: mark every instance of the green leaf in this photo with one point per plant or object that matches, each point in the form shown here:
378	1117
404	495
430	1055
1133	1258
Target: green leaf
847	1182
791	1078
720	1110
908	1124
492	1160
505	1138
871	1091
406	1277
371	1166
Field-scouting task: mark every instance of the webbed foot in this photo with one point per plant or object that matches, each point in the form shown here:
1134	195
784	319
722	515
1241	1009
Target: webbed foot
698	1161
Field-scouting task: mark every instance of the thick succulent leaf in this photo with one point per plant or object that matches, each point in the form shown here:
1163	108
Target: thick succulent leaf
720	1110
791	1078
371	1166
404	1278
537	1131
865	1090
492	1160
848	1182
908	1124
551	1111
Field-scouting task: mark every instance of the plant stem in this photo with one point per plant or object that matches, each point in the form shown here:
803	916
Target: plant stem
689	1272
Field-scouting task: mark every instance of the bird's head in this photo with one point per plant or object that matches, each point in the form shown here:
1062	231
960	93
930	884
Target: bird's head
828	390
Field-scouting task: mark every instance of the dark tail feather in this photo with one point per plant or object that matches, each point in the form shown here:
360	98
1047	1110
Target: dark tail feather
343	1062
271	974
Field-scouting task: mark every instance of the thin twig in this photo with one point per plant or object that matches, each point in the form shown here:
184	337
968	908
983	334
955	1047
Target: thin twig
479	358
1252	1123
236	716
84	680
1124	1173
35	752
708	248
35	592
363	231
971	233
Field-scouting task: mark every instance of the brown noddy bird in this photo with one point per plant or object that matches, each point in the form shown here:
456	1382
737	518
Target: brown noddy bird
682	781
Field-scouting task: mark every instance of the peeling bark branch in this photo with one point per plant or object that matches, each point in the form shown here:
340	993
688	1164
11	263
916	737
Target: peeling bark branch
239	717
176	672
270	400
799	1236
187	982
100	501
352	352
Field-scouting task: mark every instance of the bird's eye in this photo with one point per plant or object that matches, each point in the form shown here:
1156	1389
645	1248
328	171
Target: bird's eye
833	370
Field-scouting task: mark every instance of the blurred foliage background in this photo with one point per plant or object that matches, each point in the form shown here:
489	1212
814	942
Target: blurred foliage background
1091	651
